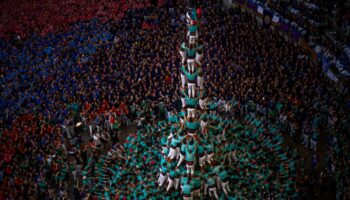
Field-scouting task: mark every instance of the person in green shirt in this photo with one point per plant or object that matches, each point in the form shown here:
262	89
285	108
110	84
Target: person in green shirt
182	153
183	77
204	119
191	66
192	81
190	51
212	187
175	140
191	149
171	179
187	191
192	125
196	184
210	151
201	155
223	176
162	174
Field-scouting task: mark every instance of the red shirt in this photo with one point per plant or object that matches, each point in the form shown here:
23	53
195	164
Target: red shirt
124	108
167	79
199	13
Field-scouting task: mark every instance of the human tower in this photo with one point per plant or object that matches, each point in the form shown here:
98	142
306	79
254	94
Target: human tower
193	148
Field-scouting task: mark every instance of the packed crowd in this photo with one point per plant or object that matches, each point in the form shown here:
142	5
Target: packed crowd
308	14
99	73
22	19
311	21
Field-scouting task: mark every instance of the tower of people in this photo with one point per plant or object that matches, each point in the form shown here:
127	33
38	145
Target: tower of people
193	146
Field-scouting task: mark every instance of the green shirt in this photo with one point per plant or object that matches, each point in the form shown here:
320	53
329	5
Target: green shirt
187	189
190	154
192	125
193	28
191	77
223	175
191	101
210	181
196	183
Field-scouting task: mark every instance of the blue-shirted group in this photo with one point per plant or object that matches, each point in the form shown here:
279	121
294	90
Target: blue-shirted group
95	77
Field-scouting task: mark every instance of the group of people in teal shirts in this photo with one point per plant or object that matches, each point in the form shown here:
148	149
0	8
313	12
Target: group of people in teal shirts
199	152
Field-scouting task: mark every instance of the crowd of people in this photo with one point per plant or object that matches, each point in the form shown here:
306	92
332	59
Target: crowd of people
315	17
105	74
22	19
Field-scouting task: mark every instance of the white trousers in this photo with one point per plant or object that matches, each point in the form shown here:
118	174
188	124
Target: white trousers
199	58
182	121
225	187
202	161
170	184
190	169
191	112
180	160
172	153
203	124
90	130
177	153
218	182
202	103
213	191
188	16
191	65
192	39
183	80
183	55
205	189
161	179
210	158
200	82
183	102
177	183
191	90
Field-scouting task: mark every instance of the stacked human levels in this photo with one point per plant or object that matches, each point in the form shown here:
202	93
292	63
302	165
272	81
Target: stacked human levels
194	146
